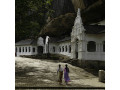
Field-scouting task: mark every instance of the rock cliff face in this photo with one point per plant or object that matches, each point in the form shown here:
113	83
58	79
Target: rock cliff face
78	4
63	22
59	26
62	7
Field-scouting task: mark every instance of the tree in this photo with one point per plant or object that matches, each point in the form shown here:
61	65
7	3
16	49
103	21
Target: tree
30	17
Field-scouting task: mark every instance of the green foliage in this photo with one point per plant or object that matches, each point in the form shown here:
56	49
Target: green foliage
30	17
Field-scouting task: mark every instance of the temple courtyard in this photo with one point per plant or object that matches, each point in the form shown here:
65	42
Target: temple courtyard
43	73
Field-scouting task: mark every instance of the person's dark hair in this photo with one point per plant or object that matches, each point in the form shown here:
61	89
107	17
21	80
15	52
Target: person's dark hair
59	65
67	69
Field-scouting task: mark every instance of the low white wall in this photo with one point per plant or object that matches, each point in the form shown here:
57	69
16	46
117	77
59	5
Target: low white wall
94	56
57	45
99	54
18	53
67	43
85	55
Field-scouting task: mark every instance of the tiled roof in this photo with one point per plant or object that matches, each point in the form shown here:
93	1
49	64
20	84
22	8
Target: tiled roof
26	42
61	39
53	39
65	39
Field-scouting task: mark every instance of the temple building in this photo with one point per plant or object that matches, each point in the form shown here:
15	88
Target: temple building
86	42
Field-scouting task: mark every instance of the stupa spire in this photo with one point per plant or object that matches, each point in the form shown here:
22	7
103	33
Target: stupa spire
78	12
78	21
78	18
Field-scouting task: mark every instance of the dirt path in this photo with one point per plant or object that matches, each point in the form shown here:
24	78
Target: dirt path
40	73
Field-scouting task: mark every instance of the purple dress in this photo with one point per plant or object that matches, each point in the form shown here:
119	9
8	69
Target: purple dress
66	76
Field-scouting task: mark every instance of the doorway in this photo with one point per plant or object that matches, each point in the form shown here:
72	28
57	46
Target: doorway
40	49
76	49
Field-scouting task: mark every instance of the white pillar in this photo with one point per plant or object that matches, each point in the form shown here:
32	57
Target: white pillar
27	49
72	50
68	48
36	50
81	47
31	50
97	47
86	46
21	49
101	47
45	49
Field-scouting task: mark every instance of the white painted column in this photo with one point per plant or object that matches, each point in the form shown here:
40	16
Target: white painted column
45	49
31	50
97	47
21	49
72	50
27	49
86	46
36	49
18	51
68	48
101	47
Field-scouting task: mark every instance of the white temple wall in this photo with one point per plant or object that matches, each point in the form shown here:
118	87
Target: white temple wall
99	54
51	45
66	43
57	48
95	37
40	42
34	53
94	56
83	54
79	41
24	52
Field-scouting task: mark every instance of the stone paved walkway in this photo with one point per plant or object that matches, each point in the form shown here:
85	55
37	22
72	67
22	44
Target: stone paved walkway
42	73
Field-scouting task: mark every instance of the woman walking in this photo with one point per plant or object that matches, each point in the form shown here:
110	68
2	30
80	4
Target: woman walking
60	74
66	74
